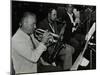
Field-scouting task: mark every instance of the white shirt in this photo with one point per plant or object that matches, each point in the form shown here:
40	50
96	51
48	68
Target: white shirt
71	18
24	56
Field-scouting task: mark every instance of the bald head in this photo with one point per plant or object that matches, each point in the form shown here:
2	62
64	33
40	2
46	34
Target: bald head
28	22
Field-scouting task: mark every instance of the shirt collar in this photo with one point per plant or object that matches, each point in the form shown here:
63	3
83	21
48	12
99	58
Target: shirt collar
70	14
22	33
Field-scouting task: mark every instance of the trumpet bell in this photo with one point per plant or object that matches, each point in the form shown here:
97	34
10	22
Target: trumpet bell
39	34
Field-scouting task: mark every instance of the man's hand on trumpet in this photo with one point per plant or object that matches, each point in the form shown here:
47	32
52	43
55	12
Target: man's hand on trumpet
46	37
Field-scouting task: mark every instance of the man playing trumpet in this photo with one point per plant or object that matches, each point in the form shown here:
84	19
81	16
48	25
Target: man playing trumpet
26	49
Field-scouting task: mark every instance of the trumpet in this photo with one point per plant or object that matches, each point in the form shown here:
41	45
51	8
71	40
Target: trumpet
41	32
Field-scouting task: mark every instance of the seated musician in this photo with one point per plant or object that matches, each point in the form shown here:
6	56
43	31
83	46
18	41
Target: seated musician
72	18
71	22
64	57
26	49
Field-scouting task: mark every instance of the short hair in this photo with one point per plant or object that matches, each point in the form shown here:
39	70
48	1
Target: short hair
50	10
26	14
69	5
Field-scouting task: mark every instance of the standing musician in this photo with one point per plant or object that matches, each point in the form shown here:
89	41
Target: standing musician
64	57
26	49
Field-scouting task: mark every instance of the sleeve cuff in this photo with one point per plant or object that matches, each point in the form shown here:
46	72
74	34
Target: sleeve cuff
39	51
42	47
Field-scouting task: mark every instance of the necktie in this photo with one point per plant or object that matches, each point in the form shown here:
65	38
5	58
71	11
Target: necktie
32	42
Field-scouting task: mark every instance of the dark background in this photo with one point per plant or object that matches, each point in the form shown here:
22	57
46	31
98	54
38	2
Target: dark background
40	9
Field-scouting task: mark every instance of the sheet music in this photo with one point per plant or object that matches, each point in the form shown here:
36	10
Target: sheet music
91	31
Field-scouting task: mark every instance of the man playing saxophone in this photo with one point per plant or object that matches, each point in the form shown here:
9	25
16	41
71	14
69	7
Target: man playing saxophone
64	57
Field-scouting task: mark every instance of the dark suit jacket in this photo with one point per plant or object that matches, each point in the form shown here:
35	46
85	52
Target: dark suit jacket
68	29
45	26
